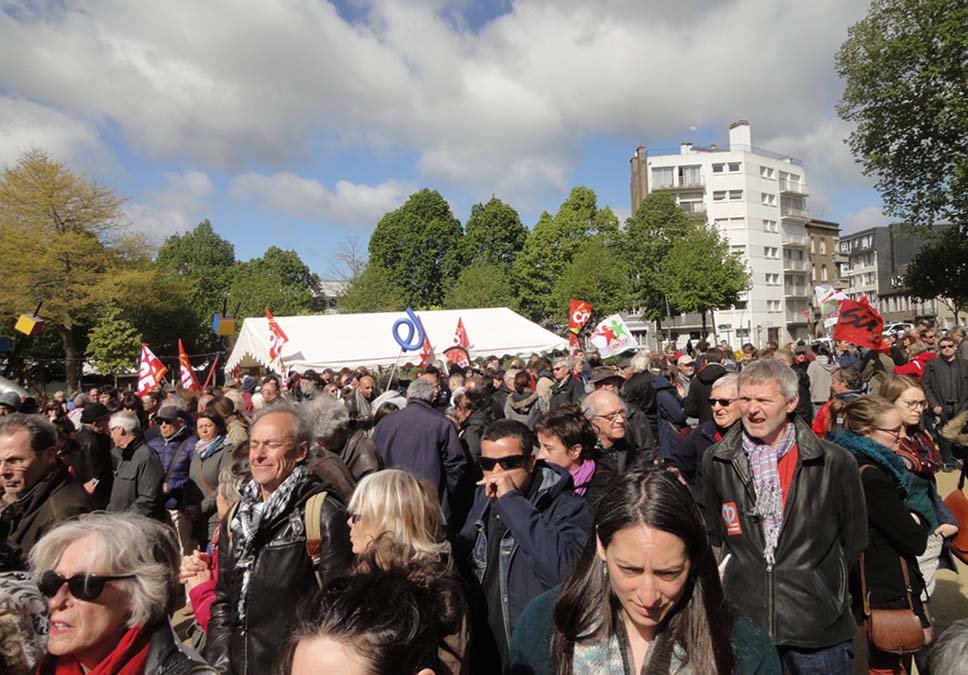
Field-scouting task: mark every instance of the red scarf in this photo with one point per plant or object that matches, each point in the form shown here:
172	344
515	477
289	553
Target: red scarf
128	658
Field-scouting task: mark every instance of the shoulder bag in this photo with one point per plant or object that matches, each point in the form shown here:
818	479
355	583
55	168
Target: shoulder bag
957	503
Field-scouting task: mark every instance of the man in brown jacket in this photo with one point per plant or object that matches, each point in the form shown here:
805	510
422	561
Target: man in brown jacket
42	490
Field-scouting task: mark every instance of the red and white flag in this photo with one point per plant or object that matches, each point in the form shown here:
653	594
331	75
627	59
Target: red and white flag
150	371
277	339
186	372
460	335
426	350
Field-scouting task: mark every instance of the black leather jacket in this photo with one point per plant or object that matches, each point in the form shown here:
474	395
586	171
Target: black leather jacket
282	575
802	600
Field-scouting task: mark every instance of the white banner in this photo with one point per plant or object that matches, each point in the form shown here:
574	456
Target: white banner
612	337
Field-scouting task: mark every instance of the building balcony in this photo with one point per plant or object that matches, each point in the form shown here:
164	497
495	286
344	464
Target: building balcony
792	213
795	316
790	265
794	240
796	291
693	208
679	185
793	187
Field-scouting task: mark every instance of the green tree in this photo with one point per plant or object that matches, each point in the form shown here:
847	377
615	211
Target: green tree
113	344
597	275
480	284
650	234
64	241
906	88
203	256
552	245
940	271
279	280
420	244
700	273
372	291
494	233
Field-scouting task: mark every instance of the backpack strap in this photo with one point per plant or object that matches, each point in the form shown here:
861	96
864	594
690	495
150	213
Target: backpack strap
314	539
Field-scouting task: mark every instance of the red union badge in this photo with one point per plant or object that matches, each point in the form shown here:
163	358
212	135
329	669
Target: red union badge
731	519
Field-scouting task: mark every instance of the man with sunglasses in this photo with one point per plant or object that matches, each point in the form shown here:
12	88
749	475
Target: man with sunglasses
138	475
567	389
525	531
945	382
42	490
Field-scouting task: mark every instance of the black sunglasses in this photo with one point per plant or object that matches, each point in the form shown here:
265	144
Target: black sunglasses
723	402
507	463
85	587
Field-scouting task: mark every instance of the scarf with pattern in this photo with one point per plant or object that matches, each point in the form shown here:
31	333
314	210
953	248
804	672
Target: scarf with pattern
763	461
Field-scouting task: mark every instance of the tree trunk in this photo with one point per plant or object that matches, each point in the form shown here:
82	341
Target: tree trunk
70	357
703	336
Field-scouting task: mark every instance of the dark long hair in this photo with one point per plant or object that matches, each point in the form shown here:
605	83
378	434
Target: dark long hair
587	609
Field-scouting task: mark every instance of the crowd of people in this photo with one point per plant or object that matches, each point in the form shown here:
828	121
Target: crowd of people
708	510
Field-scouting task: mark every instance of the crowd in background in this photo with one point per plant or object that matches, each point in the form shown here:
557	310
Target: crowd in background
703	510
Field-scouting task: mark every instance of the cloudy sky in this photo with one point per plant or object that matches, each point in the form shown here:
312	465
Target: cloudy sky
299	123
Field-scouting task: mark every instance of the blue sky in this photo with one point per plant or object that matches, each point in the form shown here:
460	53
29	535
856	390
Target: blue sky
299	123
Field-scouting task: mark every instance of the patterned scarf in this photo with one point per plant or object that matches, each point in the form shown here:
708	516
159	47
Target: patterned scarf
205	449
763	460
252	515
609	657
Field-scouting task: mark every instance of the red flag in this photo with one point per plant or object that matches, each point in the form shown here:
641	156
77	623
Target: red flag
860	324
458	356
188	379
460	335
150	371
277	339
426	350
578	314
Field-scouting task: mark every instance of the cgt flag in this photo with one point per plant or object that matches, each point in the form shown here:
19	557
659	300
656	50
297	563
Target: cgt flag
150	371
277	339
460	335
187	373
860	324
579	312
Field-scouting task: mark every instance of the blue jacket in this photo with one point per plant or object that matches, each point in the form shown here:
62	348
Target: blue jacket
420	439
672	419
177	475
545	536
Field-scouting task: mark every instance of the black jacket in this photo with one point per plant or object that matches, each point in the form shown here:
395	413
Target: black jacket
638	391
138	480
282	575
93	460
946	385
803	601
696	403
571	391
689	455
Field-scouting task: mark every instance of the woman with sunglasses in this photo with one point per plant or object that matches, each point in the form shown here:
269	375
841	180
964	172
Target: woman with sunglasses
395	520
872	431
110	580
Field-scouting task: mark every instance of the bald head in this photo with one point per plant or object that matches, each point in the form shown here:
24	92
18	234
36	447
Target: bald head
606	411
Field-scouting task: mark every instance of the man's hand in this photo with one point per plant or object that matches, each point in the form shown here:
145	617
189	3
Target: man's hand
497	484
191	566
200	578
91	485
936	410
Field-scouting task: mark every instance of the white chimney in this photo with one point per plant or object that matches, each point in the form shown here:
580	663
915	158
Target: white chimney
740	137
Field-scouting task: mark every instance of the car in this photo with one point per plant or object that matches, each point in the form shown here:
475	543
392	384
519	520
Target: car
898	327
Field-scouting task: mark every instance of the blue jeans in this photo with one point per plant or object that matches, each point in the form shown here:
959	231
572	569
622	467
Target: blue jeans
833	660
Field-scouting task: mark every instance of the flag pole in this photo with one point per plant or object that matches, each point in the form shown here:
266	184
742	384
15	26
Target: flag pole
211	371
393	370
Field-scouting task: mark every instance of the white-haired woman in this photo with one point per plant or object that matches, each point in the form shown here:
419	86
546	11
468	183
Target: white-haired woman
109	579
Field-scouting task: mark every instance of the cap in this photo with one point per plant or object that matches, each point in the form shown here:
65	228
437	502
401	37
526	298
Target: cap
168	413
685	360
11	399
800	349
603	373
94	413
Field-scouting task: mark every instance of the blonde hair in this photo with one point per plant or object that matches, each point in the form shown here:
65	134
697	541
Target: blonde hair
861	415
403	512
895	385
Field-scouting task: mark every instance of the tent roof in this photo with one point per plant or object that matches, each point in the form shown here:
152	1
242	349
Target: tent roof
337	340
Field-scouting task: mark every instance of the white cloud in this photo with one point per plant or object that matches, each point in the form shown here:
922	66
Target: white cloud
503	109
177	207
307	199
870	216
25	125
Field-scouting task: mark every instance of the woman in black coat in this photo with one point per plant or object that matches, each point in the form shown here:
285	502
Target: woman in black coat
896	534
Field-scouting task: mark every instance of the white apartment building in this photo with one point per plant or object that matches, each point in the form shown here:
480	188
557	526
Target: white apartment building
758	200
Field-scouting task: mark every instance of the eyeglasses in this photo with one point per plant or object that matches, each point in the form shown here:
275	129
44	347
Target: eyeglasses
946	346
723	402
85	587
612	416
895	432
354	516
507	463
915	405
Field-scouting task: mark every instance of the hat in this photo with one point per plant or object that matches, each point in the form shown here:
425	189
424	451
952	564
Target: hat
248	384
685	360
168	413
94	413
603	373
11	399
310	374
800	349
625	363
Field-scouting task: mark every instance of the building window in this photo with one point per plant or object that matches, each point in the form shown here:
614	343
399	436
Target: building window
734	167
771	252
718	168
823	272
823	246
663	177
690	175
735	195
773	305
768	199
770	226
738	250
772	279
767	172
719	195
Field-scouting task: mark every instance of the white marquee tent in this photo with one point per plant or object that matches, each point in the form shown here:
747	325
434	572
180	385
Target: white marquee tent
336	340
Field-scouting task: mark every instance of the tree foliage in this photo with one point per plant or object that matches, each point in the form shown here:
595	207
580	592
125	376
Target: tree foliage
420	245
372	291
65	243
700	273
113	344
279	280
552	245
650	235
494	234
597	275
480	284
940	271
906	88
